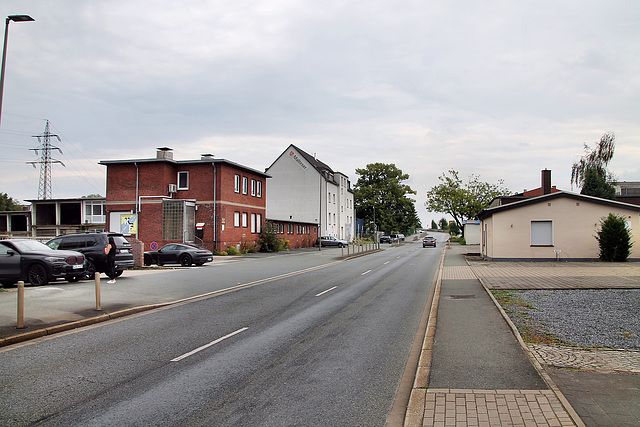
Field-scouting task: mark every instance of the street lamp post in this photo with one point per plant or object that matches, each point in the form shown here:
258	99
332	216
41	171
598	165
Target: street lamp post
15	18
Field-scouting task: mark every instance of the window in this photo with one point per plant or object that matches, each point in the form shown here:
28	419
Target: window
94	212
236	219
237	184
259	189
245	184
244	219
183	180
541	233
259	223
253	223
253	187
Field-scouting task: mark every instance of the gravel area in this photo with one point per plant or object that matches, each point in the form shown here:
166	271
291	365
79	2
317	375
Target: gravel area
587	317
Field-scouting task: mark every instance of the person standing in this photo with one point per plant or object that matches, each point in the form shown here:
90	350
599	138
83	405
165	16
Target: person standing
110	250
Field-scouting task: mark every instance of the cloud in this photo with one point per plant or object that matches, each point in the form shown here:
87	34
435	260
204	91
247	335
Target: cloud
501	89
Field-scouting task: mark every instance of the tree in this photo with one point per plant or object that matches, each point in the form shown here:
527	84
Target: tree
380	197
453	229
444	224
462	200
595	161
8	204
434	226
614	239
595	185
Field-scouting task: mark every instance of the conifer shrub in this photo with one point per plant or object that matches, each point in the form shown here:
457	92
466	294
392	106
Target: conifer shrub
614	239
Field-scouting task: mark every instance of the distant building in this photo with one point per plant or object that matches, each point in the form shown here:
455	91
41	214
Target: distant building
15	223
304	190
52	217
214	203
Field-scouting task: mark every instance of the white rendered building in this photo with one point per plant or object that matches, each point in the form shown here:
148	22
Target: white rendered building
306	190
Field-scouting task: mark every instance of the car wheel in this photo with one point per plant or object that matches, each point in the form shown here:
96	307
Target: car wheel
147	260
90	270
185	260
37	275
119	273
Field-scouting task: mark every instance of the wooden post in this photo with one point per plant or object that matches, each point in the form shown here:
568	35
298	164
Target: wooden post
20	322
97	280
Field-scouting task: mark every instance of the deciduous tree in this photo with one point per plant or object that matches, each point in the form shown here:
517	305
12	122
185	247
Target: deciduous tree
380	197
593	165
8	204
462	200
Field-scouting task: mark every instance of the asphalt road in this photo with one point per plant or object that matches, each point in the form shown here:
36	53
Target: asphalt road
323	347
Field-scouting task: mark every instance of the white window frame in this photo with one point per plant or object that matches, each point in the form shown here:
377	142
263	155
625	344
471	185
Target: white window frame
183	187
542	233
253	187
253	223
244	219
258	222
245	185
236	219
259	189
237	183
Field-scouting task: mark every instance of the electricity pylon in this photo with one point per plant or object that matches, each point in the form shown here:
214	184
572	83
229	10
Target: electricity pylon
44	190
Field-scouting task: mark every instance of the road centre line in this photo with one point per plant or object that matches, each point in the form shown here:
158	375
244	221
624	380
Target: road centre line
328	290
366	272
386	263
192	352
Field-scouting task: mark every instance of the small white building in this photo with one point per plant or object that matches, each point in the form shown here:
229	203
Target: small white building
305	190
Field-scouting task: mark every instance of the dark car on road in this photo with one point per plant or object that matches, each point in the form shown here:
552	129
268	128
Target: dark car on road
178	253
429	241
333	241
92	246
36	263
385	239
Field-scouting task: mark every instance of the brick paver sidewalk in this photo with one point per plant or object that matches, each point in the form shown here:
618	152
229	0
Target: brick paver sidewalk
552	275
450	407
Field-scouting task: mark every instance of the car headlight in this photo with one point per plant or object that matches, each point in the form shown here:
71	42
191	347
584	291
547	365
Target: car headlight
54	259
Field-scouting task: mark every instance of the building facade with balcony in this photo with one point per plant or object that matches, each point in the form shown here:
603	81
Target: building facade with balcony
52	217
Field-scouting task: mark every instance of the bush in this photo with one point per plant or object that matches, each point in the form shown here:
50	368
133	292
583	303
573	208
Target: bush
231	250
614	239
269	240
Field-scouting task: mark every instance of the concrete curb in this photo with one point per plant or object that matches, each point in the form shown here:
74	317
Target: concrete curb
38	333
414	415
552	385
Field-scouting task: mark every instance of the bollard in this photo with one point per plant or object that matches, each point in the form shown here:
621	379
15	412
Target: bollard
20	322
97	279
342	249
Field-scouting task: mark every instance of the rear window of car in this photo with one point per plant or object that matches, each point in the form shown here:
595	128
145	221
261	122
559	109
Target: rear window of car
121	241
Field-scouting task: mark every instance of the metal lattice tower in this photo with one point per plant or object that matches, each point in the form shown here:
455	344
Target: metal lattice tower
44	190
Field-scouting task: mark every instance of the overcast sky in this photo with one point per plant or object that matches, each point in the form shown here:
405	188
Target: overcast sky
502	89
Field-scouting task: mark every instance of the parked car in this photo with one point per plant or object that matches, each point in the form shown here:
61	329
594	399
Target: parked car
36	263
385	239
429	241
92	246
396	238
333	241
178	253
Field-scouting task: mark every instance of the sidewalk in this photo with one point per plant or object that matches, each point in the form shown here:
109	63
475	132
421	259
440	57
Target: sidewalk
474	371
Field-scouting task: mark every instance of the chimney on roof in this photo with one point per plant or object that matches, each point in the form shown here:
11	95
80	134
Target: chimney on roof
164	153
206	156
546	182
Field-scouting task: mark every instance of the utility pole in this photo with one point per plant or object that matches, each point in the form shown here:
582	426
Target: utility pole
44	190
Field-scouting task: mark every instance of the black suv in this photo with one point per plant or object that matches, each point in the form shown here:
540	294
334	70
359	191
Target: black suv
92	246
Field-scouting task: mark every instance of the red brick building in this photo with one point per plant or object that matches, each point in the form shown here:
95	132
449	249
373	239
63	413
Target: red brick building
213	203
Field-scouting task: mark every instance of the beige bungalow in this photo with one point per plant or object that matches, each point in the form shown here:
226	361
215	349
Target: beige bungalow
559	225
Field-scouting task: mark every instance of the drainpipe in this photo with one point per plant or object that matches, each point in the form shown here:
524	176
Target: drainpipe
215	221
137	193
